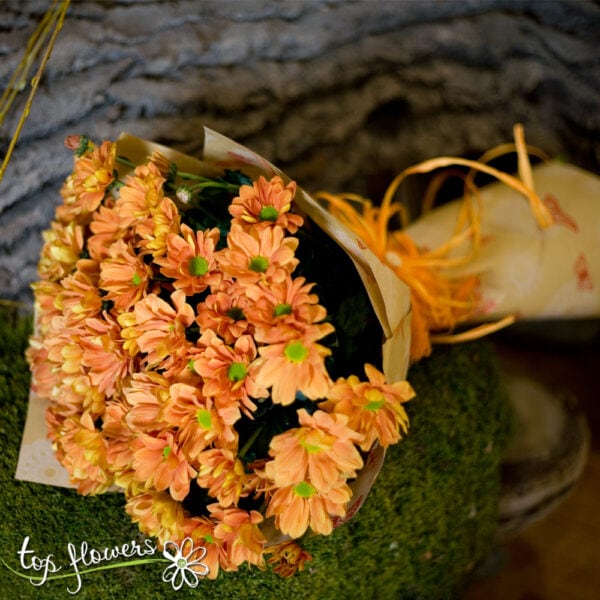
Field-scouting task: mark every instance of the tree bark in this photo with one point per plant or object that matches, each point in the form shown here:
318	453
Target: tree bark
341	95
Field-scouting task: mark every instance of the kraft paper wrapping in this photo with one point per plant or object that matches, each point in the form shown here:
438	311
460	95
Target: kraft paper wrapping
389	296
523	270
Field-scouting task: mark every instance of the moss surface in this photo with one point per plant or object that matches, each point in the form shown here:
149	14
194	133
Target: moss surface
427	521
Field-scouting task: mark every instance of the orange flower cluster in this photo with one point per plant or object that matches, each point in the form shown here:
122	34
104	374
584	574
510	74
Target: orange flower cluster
165	352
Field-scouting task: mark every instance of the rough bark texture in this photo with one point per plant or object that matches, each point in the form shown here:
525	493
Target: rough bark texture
339	94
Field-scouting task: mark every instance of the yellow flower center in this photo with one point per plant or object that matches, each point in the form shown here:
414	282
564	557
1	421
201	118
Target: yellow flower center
316	441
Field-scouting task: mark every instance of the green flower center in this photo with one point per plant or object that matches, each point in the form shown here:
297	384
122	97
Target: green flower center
304	489
268	213
258	264
375	400
237	371
166	451
203	418
282	309
198	266
136	279
235	313
296	352
182	563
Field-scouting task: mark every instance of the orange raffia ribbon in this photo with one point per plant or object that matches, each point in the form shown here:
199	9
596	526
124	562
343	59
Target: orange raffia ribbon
440	299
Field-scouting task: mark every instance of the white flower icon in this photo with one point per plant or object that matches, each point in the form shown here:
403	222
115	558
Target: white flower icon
187	564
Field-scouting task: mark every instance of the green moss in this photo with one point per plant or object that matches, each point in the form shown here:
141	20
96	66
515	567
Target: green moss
427	521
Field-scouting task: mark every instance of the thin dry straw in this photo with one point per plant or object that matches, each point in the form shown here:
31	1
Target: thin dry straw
50	25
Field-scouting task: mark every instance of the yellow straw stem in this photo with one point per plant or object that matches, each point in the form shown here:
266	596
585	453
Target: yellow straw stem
57	15
18	79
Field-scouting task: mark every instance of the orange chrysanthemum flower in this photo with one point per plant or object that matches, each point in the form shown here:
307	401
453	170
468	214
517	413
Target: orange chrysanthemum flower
124	276
321	451
44	376
373	408
142	192
154	230
287	558
61	251
222	474
106	228
197	419
224	311
157	513
79	394
83	453
296	365
146	395
158	462
157	328
238	530
102	352
201	531
79	296
190	260
258	255
282	309
63	344
118	436
266	203
229	375
93	173
45	293
300	506
71	210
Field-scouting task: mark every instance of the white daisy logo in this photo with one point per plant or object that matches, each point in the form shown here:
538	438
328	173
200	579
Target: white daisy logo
187	566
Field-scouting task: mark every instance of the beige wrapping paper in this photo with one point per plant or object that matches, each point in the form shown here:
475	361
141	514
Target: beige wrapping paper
523	270
389	296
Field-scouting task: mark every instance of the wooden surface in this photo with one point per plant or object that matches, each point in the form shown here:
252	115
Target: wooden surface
558	558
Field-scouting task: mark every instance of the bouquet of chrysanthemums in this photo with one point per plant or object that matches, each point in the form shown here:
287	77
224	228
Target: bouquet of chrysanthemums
201	345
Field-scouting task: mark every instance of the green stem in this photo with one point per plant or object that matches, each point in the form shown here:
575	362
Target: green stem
251	440
126	162
192	176
216	184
